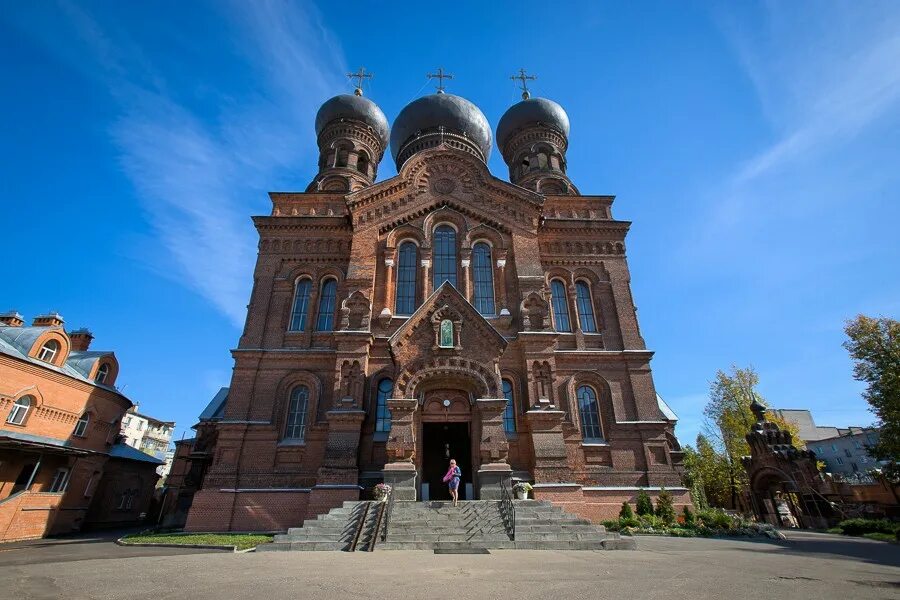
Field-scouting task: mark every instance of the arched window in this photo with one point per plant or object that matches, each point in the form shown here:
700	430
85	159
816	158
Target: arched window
362	163
48	351
484	278
590	414
327	299
20	410
295	426
560	305
405	302
81	425
446	334
102	374
444	256
382	414
301	305
585	308
509	413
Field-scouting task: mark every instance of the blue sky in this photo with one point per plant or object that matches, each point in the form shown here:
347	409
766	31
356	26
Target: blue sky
755	146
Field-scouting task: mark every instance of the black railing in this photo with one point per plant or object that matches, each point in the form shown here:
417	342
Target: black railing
386	519
360	523
507	509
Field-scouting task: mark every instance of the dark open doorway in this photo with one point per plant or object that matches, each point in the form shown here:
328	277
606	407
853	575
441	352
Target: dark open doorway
440	443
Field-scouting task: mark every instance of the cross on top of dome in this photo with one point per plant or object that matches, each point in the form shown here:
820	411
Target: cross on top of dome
525	78
440	76
359	76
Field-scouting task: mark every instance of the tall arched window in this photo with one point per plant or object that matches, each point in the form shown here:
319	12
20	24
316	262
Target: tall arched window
585	308
405	303
48	351
444	256
295	425
20	410
509	413
560	305
301	305
382	414
81	425
483	271
327	299
589	411
102	374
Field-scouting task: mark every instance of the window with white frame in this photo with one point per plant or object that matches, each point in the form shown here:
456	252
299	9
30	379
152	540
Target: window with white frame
20	410
102	374
60	480
48	351
81	425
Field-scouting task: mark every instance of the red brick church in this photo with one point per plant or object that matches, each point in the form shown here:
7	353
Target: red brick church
442	313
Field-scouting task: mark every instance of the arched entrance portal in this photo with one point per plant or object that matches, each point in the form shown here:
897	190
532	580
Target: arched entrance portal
445	432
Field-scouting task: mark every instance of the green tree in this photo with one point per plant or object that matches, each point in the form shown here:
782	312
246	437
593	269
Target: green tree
874	345
713	472
644	503
626	512
665	507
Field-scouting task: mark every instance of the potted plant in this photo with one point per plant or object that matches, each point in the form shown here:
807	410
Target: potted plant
521	490
381	492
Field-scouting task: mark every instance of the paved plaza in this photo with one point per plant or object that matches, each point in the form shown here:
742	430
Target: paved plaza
808	565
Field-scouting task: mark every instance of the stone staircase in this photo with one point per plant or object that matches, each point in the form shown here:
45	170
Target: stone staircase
435	525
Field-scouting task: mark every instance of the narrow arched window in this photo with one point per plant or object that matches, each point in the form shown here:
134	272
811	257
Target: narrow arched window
301	305
295	426
102	374
444	256
405	302
20	410
483	271
382	414
81	425
589	411
585	308
560	305
362	163
48	351
509	413
327	299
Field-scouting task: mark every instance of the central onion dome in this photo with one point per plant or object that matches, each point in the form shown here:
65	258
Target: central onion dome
356	108
418	127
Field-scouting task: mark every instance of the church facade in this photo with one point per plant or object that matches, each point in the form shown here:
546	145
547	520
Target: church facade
441	313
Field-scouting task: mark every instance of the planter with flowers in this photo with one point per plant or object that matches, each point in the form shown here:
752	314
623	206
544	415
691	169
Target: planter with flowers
381	492
522	489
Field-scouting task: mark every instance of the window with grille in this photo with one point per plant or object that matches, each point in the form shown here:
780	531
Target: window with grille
560	306
590	414
444	256
405	302
382	414
483	275
295	427
325	320
301	305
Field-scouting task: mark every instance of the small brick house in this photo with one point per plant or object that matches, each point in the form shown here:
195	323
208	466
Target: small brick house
62	467
441	313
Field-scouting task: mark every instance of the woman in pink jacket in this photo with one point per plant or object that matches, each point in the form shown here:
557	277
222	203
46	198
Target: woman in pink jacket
452	478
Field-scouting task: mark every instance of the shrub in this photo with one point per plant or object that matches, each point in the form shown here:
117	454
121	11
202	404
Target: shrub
626	512
632	522
863	526
612	525
665	508
881	537
715	518
650	522
644	504
688	516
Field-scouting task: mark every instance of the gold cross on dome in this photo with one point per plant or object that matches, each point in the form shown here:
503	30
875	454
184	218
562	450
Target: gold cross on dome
359	76
440	76
524	79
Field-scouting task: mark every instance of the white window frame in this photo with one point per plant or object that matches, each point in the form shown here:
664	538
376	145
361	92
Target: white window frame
47	353
102	374
60	481
19	409
81	425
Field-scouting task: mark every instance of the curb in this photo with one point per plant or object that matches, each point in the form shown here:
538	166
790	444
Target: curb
122	542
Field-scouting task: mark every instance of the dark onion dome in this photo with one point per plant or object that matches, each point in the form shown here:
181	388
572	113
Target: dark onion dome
455	114
530	112
358	108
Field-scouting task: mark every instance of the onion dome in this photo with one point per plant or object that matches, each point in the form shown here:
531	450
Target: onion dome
532	111
440	118
357	108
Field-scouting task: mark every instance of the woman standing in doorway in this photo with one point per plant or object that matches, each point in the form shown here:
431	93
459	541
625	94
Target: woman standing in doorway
452	478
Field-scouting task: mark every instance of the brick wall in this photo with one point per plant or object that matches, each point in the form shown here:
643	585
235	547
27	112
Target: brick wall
27	515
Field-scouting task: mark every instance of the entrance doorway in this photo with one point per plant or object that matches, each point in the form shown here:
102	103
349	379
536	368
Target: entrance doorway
440	443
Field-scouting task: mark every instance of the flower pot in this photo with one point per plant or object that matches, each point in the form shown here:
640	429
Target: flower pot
521	495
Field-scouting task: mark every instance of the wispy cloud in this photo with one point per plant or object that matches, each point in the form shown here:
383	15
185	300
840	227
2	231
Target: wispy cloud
200	173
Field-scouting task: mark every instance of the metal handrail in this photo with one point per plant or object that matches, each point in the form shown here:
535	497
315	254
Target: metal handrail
374	537
389	508
507	509
359	527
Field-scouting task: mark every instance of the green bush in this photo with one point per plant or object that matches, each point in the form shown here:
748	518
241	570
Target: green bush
644	504
715	518
665	507
835	530
612	525
651	522
626	512
881	537
864	526
632	522
688	516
